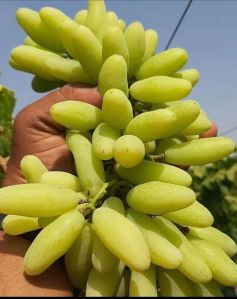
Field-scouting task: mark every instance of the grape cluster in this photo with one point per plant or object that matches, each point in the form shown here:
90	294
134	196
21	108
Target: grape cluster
128	223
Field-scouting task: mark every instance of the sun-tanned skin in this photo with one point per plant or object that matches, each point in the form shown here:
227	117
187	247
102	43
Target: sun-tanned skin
34	132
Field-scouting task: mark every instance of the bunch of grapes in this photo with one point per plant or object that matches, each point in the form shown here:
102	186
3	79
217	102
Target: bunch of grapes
128	223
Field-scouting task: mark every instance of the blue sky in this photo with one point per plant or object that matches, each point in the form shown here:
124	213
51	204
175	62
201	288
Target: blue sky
208	33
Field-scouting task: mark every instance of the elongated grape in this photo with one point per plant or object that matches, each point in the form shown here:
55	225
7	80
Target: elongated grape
103	140
30	21
122	238
49	245
29	42
88	51
123	288
223	269
116	109
114	43
151	125
163	64
193	265
160	89
45	221
166	143
162	252
216	236
33	60
103	259
16	225
122	24
96	12
209	289
89	168
192	75
41	85
143	284
186	113
113	74
150	147
63	179
173	284
32	168
53	18
135	38
200	151
157	198
195	215
78	258
115	204
148	171
110	20
128	151
152	39
76	115
36	200
80	17
104	285
200	125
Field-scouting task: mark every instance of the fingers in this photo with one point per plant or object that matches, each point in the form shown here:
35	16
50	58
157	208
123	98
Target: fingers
212	132
14	282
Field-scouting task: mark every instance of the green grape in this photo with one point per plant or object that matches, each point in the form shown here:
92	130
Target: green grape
136	42
16	225
33	60
36	200
166	143
29	42
163	64
41	85
89	168
157	198
31	23
104	285
195	215
148	171
88	51
159	89
113	74
122	24
32	168
151	43
162	252
200	151
115	204
76	115
200	125
193	265
192	75
96	12
49	245
78	258
53	18
123	288
192	137
150	147
103	140
110	20
68	70
63	179
116	109
151	125
209	289
173	284
143	284
128	151
122	238
186	113
80	17
216	236
114	43
223	269
45	221
66	30
102	259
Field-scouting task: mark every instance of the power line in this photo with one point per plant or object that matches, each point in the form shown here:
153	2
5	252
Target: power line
178	24
228	131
